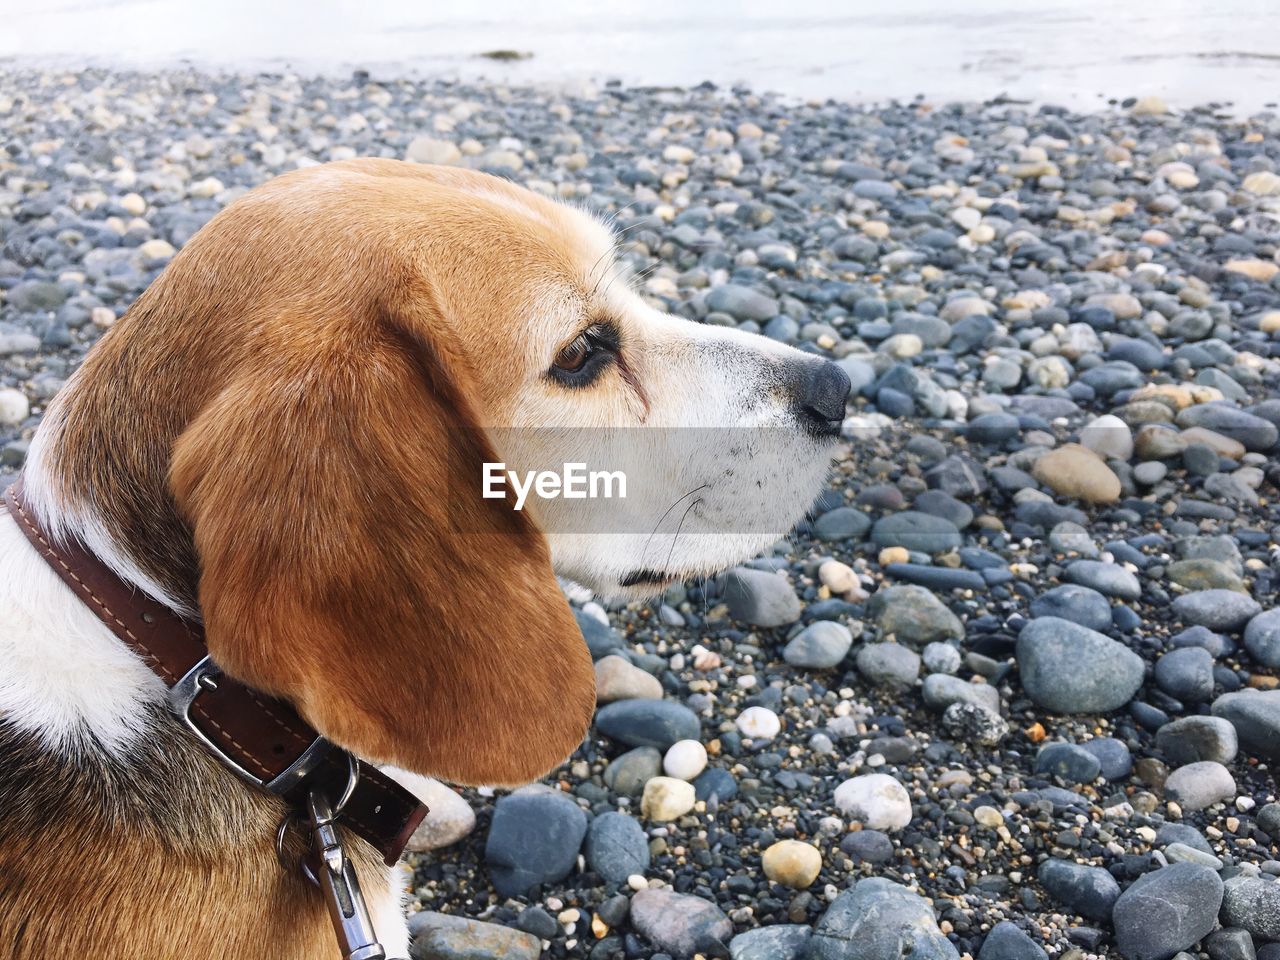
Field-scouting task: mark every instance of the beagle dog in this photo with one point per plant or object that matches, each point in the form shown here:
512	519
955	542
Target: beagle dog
262	445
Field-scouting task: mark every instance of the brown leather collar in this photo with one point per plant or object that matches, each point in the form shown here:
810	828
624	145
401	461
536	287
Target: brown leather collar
261	738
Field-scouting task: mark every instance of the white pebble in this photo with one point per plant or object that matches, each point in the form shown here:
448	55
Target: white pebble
759	723
876	800
14	407
685	759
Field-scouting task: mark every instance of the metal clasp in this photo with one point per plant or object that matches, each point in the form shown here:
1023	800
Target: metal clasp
204	677
337	881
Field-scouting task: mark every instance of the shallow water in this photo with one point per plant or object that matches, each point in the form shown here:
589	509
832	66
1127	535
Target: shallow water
1076	53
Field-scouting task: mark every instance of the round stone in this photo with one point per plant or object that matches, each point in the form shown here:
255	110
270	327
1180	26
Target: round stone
1167	910
14	407
534	838
819	646
647	723
758	723
1082	605
1253	904
876	800
1222	610
914	615
618	679
616	847
449	817
941	658
1088	891
685	759
1192	739
792	863
1068	668
1262	638
678	923
1076	471
1201	784
1109	437
1186	674
889	664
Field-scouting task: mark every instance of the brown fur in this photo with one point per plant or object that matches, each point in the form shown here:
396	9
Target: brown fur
272	433
171	858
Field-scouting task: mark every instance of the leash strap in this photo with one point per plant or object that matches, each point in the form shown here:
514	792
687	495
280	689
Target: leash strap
261	738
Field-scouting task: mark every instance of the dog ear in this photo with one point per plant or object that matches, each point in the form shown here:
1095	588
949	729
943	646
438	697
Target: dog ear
350	564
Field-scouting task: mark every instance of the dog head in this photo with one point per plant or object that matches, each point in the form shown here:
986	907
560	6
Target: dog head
291	428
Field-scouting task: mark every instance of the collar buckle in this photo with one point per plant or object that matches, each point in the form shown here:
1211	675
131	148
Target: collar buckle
204	677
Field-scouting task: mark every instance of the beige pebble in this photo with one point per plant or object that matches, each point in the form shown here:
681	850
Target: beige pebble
1076	471
792	863
619	679
1254	269
666	798
839	577
893	555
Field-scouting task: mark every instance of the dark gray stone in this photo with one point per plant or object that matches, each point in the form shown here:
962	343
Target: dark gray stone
616	847
647	723
1192	739
879	920
1253	903
918	531
1068	668
1186	674
1167	910
1256	716
1007	942
533	839
1087	891
1082	605
679	923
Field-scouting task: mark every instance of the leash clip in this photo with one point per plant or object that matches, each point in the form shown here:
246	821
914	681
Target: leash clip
336	876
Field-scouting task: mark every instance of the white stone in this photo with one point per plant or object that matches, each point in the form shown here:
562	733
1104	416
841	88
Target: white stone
1049	372
966	217
157	249
133	204
876	800
1262	184
685	759
666	798
14	407
448	820
208	187
432	150
837	577
759	723
1108	436
902	345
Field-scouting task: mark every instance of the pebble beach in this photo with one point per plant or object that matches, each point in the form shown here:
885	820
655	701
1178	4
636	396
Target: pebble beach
1012	690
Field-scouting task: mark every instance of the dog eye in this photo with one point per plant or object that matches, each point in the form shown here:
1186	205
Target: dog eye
575	356
580	362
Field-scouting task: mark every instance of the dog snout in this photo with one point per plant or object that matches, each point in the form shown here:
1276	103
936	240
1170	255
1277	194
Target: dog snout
821	391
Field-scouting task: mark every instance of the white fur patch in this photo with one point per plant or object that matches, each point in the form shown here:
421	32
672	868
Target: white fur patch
64	677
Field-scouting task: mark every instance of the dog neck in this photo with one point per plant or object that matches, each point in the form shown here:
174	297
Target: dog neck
96	475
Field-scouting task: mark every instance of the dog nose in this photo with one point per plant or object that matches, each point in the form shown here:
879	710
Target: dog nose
821	392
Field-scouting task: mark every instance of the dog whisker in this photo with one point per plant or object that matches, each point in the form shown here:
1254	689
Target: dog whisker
652	533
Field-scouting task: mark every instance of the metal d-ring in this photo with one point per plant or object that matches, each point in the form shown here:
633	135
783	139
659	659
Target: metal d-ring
292	818
353	780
